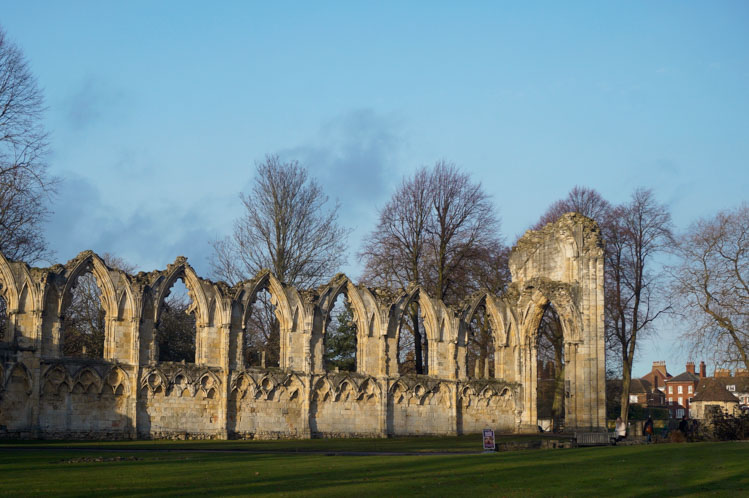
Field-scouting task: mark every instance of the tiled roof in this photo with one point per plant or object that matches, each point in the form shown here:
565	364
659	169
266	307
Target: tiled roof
712	390
685	377
741	382
637	386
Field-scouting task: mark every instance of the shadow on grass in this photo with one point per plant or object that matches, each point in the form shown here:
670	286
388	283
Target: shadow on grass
634	471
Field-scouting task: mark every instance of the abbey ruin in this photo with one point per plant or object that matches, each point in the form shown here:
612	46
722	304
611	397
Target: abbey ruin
128	393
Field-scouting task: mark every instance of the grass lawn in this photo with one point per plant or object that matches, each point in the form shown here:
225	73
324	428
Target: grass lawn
458	444
664	469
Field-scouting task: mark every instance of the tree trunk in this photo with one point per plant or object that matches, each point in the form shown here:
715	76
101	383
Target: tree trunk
626	381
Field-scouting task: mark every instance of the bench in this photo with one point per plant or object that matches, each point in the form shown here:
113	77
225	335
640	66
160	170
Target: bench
593	438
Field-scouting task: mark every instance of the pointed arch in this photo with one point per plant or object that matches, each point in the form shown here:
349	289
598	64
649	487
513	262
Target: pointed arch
25	299
8	289
118	380
19	370
341	284
265	334
266	280
427	309
494	312
538	299
124	309
91	262
154	381
361	314
180	269
398	385
89	380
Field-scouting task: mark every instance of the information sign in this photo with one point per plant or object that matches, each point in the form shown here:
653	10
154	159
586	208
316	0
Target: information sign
489	444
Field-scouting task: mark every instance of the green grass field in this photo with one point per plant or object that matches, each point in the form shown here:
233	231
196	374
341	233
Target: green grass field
69	469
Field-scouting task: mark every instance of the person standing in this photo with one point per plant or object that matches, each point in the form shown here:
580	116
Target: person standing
683	425
647	429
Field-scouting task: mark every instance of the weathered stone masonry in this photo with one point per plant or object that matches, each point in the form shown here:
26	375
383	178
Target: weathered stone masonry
130	394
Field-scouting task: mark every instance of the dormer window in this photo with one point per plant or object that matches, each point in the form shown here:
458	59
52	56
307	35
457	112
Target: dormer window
731	387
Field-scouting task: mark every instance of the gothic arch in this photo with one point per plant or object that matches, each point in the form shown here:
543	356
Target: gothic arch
538	299
499	326
341	284
194	286
363	316
93	263
25	375
428	311
266	280
8	288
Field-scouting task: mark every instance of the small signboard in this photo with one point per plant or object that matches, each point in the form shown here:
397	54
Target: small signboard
489	444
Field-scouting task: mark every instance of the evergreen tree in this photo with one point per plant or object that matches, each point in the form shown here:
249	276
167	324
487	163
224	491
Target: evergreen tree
340	345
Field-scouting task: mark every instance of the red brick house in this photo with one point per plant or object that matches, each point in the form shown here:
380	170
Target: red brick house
681	389
658	375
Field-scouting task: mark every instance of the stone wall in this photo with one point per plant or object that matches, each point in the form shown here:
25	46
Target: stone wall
128	393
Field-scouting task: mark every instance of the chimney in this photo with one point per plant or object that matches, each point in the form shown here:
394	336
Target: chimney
690	367
703	370
722	372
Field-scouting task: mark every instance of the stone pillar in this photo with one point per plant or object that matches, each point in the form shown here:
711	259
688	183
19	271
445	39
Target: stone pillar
384	384
306	431
36	395
529	378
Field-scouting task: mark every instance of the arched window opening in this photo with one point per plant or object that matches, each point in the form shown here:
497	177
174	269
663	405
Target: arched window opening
551	385
84	320
177	330
262	333
480	347
3	318
413	348
340	337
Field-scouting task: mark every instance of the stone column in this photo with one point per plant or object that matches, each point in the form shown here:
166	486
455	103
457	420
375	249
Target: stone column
306	406
384	395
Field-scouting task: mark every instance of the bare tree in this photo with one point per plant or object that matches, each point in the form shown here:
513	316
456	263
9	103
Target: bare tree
395	253
583	200
285	227
25	185
711	285
438	230
464	228
637	231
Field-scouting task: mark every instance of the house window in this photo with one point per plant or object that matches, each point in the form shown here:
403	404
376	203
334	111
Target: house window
681	401
670	399
689	389
680	389
731	388
670	389
633	398
679	413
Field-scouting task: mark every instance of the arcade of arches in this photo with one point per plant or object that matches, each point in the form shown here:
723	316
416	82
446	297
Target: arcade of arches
479	360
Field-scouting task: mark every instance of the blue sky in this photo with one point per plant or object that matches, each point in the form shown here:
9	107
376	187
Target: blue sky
159	110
